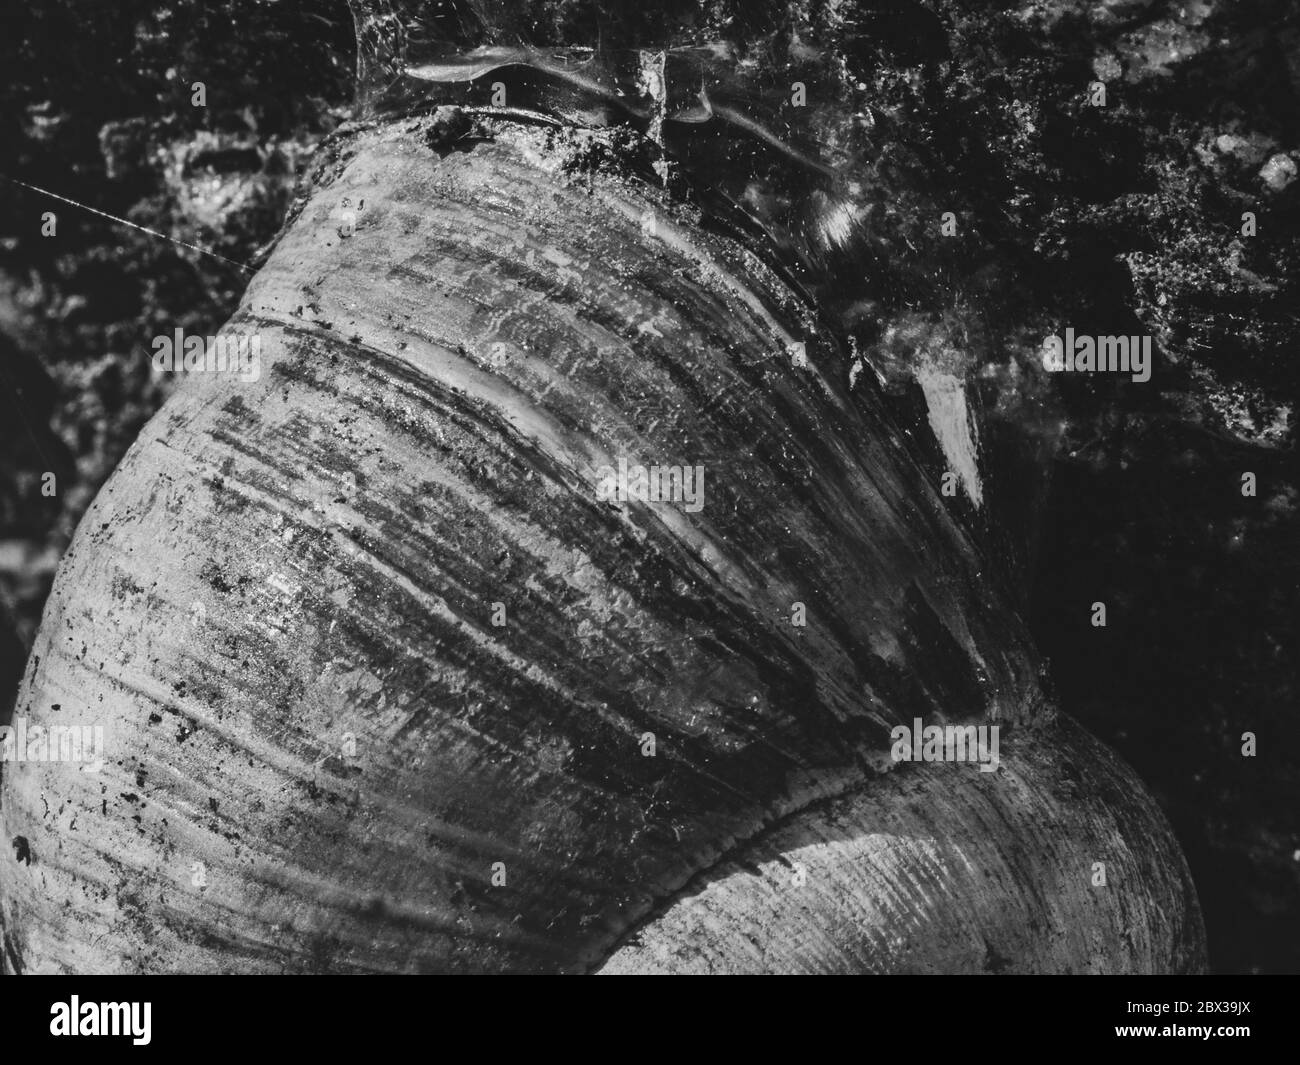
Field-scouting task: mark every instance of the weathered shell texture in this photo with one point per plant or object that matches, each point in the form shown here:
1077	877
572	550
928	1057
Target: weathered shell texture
320	745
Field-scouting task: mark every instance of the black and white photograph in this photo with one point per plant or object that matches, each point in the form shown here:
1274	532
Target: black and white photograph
673	487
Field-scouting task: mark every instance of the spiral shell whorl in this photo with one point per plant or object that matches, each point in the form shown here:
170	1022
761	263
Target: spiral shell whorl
453	348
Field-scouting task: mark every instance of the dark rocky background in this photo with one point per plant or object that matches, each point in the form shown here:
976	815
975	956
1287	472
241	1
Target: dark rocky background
1128	214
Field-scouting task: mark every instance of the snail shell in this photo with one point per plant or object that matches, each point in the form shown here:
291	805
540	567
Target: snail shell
387	687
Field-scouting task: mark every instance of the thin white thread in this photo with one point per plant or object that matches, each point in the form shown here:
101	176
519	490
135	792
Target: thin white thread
123	221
